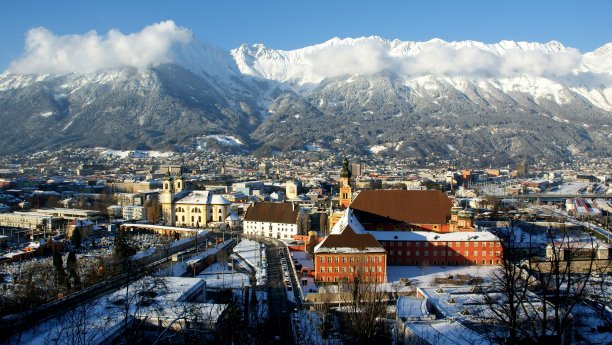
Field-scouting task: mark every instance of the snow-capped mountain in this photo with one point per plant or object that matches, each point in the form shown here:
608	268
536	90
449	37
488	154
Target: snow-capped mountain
459	100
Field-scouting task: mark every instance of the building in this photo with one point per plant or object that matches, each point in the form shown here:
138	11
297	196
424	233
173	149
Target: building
29	220
133	213
70	213
348	253
356	169
440	249
272	219
192	208
416	210
292	189
84	226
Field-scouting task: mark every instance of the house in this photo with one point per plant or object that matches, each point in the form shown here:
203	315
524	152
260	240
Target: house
272	219
84	226
349	253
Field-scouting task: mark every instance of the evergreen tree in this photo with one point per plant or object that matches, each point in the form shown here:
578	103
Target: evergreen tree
72	266
75	238
123	248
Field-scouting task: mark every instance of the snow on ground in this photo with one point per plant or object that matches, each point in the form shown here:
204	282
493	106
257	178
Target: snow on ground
377	148
226	140
254	254
423	276
92	322
219	275
135	154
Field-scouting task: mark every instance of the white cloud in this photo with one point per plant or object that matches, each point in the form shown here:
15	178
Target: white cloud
46	52
414	59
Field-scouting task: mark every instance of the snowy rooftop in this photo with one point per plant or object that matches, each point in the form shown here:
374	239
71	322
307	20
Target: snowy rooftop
199	197
433	236
105	315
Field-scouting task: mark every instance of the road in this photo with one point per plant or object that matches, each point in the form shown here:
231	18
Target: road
279	307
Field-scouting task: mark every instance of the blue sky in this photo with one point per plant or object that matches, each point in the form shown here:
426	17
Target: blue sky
585	25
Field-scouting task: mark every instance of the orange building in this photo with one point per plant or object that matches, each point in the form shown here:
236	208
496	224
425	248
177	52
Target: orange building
347	255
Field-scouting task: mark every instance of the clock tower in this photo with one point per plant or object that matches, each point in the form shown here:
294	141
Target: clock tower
345	185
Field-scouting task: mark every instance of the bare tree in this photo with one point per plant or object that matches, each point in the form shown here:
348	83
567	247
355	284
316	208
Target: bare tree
561	278
365	308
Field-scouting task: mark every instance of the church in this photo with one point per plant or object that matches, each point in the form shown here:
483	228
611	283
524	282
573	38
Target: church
190	208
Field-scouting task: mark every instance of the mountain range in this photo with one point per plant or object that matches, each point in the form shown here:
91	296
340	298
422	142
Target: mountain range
461	101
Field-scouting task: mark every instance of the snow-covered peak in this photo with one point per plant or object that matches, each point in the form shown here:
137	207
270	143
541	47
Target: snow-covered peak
369	55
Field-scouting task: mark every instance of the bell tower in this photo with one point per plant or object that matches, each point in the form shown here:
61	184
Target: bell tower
167	199
345	185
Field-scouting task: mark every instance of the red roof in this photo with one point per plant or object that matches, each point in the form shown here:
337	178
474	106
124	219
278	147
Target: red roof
409	206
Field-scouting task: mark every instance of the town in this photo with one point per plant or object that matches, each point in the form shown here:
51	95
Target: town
313	247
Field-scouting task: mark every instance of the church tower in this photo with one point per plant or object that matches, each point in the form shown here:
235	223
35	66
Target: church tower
345	185
167	199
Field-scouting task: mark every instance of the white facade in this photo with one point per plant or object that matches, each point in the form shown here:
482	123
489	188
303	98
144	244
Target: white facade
269	229
134	213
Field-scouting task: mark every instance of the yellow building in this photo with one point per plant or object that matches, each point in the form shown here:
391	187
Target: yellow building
191	208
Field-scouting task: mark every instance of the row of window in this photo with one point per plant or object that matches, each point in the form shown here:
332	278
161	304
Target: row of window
466	262
443	253
417	244
358	258
344	269
339	279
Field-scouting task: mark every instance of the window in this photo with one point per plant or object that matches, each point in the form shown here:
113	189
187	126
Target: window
343	269
352	270
352	259
337	259
465	253
491	253
426	253
391	252
475	253
379	269
417	244
426	244
475	244
344	259
399	253
322	269
457	244
329	269
443	253
407	253
435	253
365	269
322	259
497	253
329	259
484	253
337	269
490	244
379	259
416	253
